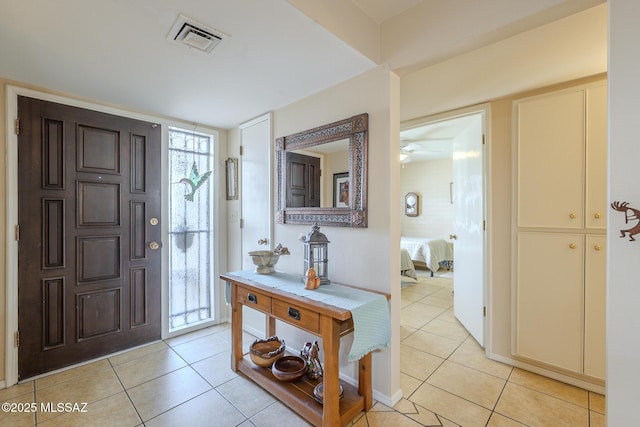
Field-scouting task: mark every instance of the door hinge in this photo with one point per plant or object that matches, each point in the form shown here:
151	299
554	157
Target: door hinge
241	150
241	223
484	225
17	338
483	139
16	126
17	232
484	311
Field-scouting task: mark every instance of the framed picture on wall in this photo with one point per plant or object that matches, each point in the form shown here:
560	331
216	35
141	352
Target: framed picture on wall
341	190
231	169
411	204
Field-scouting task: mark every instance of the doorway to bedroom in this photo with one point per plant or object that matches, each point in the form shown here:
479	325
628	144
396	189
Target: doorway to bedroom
443	227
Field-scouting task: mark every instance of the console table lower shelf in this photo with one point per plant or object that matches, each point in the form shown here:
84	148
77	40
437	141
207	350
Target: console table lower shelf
326	321
298	395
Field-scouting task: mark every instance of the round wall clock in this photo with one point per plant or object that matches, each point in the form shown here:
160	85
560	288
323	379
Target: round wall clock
411	204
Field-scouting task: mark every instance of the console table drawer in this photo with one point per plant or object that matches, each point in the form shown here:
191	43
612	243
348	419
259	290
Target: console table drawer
254	299
297	316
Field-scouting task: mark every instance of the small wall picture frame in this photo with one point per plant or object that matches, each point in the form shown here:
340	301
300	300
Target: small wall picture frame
341	190
231	169
412	204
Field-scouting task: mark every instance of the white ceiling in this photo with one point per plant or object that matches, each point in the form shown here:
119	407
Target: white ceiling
116	51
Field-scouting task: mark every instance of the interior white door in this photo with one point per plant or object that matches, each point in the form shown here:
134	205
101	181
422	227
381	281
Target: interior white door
255	137
469	243
255	201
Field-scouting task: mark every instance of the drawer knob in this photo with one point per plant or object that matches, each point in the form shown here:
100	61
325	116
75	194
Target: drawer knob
572	245
293	313
597	216
252	298
597	247
572	215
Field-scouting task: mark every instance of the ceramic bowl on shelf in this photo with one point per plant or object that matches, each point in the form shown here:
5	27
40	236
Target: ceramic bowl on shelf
289	368
264	352
264	261
318	393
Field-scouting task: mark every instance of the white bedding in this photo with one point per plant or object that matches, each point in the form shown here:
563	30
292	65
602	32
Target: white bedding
429	251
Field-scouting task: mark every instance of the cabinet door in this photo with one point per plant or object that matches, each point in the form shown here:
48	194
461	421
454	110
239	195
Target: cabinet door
549	298
595	306
596	158
550	135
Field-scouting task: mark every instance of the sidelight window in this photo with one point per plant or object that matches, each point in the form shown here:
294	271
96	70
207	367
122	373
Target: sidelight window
190	228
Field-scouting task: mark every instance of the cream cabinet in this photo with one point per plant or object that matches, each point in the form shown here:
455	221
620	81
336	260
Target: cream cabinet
550	290
562	159
560	148
594	306
560	294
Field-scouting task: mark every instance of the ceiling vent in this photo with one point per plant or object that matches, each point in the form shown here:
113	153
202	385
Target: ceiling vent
195	35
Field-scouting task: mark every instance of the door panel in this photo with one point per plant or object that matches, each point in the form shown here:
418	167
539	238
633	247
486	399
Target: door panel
549	312
88	283
303	182
595	306
468	205
255	193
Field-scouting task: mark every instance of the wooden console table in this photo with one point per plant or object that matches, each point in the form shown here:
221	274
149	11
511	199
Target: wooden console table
323	320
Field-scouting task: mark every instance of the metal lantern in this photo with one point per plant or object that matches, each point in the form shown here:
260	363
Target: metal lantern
316	247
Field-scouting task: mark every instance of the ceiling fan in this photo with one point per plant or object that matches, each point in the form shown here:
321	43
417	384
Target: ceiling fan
409	147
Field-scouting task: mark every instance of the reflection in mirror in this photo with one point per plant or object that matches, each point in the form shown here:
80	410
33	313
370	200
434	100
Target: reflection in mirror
322	175
311	180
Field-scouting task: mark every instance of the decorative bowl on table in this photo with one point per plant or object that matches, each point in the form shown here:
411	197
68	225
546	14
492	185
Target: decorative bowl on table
289	368
264	260
264	352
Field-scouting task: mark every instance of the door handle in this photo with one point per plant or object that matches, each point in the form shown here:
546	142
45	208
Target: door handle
263	241
453	236
154	246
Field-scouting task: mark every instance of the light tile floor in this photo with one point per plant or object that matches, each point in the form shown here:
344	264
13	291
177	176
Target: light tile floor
186	381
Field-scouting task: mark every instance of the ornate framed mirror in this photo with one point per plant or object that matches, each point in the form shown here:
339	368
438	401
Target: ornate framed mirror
306	195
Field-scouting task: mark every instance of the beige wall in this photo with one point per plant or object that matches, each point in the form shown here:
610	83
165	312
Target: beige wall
430	180
564	50
361	257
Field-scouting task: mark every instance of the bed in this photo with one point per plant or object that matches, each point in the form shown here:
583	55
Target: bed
429	253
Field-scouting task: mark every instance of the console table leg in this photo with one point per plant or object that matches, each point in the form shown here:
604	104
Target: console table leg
364	381
271	326
236	329
330	378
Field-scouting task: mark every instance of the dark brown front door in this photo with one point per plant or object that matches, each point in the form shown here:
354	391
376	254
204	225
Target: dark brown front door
88	191
303	182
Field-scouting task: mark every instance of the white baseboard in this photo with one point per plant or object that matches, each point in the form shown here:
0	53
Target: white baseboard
548	373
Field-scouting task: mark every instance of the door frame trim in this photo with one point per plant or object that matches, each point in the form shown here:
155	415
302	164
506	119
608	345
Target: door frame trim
485	110
12	92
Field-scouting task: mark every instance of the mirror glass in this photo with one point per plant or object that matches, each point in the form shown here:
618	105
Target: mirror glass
322	175
318	176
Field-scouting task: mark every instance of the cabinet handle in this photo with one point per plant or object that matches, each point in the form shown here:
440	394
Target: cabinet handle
252	298
572	245
572	215
293	313
597	247
597	215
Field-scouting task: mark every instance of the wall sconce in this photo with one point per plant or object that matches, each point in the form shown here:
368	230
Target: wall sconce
316	248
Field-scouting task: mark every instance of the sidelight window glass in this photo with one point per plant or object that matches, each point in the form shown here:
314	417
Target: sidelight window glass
190	228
